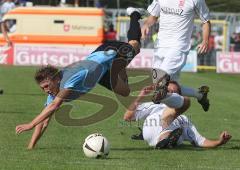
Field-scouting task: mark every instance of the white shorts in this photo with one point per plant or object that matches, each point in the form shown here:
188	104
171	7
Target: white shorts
169	60
152	128
190	132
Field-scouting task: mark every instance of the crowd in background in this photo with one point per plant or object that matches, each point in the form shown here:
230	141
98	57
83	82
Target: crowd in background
235	42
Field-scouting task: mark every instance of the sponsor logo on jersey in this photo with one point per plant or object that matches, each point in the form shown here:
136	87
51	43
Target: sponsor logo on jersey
172	11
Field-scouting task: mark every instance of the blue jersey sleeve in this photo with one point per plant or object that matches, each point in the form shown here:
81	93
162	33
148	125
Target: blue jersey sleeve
50	98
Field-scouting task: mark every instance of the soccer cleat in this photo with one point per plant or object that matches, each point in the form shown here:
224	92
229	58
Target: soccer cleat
138	136
170	141
130	10
204	101
161	89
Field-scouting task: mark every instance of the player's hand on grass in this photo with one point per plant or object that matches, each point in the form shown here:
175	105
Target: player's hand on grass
202	48
23	127
224	137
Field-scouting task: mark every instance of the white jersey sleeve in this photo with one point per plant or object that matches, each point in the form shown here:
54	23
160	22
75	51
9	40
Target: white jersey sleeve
202	10
154	8
148	108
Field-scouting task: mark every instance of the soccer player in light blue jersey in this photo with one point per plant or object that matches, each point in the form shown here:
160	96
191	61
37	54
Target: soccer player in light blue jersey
106	66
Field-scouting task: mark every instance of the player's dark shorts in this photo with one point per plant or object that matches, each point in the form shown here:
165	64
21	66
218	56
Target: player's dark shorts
125	54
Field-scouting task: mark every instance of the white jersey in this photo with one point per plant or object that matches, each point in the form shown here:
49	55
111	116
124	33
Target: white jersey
145	109
152	127
176	21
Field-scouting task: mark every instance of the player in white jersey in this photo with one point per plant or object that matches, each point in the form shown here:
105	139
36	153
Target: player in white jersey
173	43
163	126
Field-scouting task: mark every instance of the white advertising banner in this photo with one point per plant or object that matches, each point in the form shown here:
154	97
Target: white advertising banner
191	63
35	55
228	62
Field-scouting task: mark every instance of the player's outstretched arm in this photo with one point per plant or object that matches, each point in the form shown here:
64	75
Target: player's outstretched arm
38	132
129	114
46	113
223	139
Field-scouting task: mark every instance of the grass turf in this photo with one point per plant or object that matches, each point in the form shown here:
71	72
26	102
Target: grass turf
61	146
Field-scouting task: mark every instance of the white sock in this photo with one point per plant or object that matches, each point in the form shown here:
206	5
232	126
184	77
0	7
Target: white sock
173	100
190	92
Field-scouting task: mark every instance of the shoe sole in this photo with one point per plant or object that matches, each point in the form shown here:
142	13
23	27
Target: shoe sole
161	89
170	141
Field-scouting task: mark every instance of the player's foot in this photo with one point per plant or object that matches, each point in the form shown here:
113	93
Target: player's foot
161	89
1	91
170	141
204	101
141	11
138	136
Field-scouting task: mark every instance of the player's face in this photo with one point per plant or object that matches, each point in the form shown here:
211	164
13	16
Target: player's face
50	86
173	88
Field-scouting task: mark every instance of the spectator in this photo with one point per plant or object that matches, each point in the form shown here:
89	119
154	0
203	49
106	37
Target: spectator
76	3
237	42
110	34
219	41
6	6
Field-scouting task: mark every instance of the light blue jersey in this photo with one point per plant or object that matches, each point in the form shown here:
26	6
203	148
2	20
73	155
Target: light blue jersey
82	76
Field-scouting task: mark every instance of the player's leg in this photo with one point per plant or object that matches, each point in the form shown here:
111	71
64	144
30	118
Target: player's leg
169	139
170	67
127	52
1	91
201	95
154	133
134	32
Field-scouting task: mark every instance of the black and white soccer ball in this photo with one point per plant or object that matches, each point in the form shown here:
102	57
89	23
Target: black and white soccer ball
96	146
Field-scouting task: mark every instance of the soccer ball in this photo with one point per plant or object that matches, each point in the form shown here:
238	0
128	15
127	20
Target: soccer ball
96	146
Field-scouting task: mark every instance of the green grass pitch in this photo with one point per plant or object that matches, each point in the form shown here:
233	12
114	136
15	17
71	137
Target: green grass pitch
61	146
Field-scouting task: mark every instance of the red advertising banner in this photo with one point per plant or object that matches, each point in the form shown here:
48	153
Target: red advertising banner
228	62
6	55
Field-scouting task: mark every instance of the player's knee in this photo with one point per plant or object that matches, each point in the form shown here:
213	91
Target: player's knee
186	105
126	117
136	45
124	92
187	102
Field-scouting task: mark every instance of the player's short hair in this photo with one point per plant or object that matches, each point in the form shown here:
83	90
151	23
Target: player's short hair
178	86
47	72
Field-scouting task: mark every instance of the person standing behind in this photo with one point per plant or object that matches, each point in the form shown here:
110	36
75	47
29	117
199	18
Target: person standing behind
110	34
173	43
6	6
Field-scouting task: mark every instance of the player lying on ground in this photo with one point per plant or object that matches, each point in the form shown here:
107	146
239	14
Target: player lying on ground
106	66
164	127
